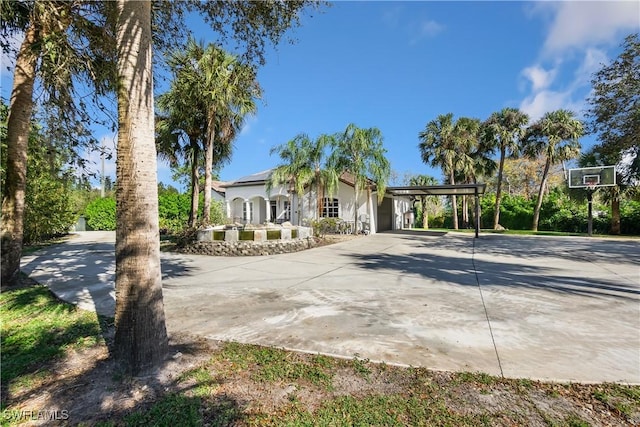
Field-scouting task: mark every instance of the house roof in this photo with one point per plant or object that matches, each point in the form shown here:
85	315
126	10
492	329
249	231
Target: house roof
438	190
264	176
219	186
254	179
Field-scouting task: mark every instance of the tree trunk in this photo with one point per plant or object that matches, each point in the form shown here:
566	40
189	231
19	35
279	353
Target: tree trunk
141	336
615	210
496	213
454	202
195	184
355	210
465	212
425	214
543	184
208	162
18	129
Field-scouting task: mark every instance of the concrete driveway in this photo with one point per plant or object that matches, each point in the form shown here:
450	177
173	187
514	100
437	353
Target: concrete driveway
552	308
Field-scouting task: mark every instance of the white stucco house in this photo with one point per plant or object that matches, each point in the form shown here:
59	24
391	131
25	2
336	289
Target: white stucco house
248	201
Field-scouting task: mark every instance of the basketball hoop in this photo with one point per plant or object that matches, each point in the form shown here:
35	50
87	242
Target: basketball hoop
591	188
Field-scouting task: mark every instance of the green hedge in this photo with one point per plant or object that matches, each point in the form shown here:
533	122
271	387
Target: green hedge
101	214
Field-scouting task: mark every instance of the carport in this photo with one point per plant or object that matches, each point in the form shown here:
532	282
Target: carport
444	190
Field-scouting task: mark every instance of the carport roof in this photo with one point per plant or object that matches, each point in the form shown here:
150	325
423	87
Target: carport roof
438	190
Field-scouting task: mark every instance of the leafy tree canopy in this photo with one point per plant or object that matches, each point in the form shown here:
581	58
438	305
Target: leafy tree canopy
615	109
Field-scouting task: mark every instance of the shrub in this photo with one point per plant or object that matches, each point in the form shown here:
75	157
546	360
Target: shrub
49	209
324	225
101	214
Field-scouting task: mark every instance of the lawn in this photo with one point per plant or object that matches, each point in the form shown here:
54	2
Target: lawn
55	363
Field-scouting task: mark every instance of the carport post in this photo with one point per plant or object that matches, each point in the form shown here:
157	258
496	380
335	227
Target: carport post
477	213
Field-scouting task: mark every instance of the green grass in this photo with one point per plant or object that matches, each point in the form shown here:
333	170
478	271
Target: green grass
38	328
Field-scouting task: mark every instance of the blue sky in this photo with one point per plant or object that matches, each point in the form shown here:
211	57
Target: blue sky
398	65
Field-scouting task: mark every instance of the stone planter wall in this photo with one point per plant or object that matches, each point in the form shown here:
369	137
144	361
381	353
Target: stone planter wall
248	248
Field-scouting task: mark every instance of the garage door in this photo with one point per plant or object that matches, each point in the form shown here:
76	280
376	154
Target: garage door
385	215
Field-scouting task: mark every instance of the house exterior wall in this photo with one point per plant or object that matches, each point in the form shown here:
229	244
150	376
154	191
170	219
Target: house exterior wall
367	212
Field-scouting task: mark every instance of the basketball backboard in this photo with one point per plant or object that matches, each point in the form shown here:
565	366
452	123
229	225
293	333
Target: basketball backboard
592	177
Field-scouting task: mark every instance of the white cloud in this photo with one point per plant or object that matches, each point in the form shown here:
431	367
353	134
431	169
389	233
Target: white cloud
582	24
539	77
579	36
539	103
430	28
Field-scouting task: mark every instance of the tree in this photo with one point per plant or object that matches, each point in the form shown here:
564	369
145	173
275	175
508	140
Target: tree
555	137
54	48
181	124
438	149
503	131
615	110
141	337
423	180
360	152
295	170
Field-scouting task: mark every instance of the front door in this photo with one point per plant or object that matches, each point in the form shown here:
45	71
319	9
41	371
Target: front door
385	215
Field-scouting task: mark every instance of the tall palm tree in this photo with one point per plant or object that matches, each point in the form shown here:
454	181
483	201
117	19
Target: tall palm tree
209	99
555	137
295	170
465	134
181	123
438	148
228	88
504	131
141	336
423	180
360	152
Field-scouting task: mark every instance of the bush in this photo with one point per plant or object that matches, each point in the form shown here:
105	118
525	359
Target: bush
49	209
324	225
630	217
101	214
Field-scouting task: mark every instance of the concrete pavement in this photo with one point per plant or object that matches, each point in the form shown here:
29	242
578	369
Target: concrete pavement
551	308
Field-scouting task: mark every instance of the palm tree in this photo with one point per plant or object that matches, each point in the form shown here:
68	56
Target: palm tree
211	95
181	124
555	137
504	131
141	336
438	148
466	133
228	88
295	169
360	152
423	180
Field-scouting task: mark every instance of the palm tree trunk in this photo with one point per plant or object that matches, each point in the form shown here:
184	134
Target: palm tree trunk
454	201
18	128
208	162
465	212
355	210
615	210
195	185
496	213
543	184
141	336
425	214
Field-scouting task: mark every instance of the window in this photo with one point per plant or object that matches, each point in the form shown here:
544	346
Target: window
247	211
287	211
330	208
